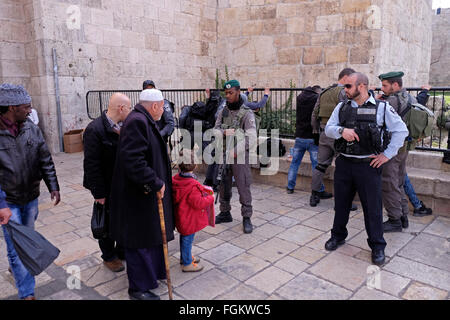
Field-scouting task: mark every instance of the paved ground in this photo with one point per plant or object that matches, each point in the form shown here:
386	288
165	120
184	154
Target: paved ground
283	258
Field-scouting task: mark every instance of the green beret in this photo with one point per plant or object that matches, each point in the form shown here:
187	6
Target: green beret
230	84
391	75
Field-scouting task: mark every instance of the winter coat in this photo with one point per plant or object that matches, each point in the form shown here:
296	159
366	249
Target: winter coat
193	205
142	168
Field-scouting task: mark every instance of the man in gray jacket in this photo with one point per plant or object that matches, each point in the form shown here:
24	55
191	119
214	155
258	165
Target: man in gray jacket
24	161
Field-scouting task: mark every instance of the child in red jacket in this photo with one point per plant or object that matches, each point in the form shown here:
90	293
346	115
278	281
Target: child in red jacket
194	204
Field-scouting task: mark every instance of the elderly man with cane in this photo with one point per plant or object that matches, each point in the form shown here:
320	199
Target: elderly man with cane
142	176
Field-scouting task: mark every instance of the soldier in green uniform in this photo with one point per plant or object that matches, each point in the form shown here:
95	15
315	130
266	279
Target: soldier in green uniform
234	120
327	101
394	197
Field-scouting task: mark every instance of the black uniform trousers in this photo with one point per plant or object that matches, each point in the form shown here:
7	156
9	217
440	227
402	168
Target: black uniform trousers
353	176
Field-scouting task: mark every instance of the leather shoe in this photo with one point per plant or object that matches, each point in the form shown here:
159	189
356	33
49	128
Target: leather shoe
378	257
115	266
333	244
314	199
392	226
146	295
224	217
248	227
325	195
289	191
405	222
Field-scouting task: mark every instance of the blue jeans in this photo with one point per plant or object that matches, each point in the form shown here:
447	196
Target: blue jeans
186	249
300	147
25	215
409	190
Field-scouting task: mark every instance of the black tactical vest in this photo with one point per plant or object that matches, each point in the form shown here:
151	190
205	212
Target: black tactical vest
364	121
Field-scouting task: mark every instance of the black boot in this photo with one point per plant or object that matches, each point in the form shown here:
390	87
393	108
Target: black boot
314	199
378	257
325	195
248	227
224	217
405	222
392	226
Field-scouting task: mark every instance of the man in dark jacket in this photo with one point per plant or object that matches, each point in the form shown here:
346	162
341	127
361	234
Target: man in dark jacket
24	161
100	145
304	138
167	123
142	175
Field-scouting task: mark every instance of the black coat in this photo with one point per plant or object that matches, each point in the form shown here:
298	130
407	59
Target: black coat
305	105
100	147
142	159
24	161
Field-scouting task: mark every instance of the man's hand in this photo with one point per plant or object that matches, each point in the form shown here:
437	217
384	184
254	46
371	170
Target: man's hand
378	160
5	214
101	201
350	135
426	87
160	193
228	132
267	91
55	195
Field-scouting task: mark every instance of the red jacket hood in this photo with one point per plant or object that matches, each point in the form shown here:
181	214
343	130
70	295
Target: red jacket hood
181	187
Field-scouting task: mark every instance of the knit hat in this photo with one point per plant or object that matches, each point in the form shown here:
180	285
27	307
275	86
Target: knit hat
12	95
151	95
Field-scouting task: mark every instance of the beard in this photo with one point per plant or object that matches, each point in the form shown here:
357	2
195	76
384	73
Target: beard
356	94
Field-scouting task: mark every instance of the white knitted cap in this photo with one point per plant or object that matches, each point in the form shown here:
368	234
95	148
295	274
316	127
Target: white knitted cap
151	95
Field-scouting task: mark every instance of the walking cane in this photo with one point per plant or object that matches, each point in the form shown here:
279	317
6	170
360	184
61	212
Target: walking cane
164	238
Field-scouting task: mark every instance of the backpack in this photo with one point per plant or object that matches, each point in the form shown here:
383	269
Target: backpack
418	119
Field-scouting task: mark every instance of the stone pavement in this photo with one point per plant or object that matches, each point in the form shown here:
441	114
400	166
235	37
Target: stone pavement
284	257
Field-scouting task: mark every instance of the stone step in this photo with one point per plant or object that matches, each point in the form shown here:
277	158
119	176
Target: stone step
432	186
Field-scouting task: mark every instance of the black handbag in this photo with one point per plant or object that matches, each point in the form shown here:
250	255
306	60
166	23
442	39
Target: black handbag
99	225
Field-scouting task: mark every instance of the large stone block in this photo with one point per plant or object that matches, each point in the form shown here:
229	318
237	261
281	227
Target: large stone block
313	55
355	5
295	25
264	12
336	54
329	23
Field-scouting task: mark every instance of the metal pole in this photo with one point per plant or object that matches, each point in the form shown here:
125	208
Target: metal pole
58	102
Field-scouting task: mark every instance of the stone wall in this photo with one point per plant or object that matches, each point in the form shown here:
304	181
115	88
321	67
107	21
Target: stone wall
115	44
270	42
103	44
440	52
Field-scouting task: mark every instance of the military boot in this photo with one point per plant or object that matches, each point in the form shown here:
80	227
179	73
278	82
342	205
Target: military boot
392	226
224	217
314	199
247	224
405	222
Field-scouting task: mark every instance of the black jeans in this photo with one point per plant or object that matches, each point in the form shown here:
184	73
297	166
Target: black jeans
351	177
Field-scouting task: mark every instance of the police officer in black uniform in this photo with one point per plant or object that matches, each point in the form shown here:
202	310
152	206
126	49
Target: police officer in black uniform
368	133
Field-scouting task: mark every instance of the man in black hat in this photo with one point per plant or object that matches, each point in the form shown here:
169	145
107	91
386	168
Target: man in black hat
24	161
167	123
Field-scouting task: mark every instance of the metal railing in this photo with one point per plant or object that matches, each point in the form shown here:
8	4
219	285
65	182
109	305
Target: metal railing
280	110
